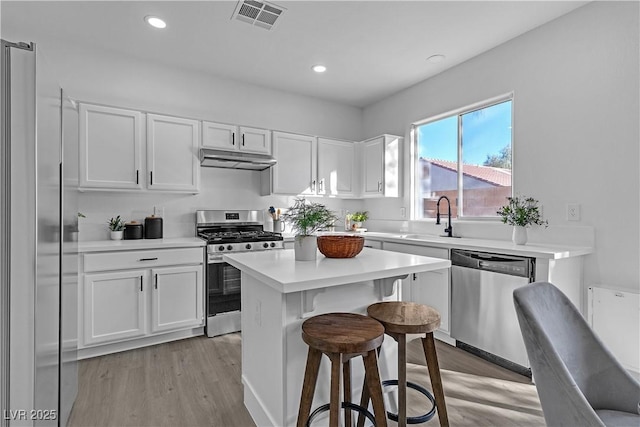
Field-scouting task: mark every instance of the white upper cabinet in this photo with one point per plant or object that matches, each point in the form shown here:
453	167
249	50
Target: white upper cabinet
172	153
236	138
295	172
381	166
219	135
110	145
255	140
336	167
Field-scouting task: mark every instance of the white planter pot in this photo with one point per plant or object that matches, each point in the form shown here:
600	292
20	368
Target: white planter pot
519	235
305	248
116	235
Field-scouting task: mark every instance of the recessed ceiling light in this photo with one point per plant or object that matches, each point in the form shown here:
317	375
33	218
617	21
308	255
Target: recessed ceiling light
319	68
154	21
436	58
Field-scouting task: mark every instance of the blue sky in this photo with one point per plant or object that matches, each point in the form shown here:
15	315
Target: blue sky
485	131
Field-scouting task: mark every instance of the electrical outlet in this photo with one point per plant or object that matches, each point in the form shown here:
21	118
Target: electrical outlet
403	212
573	212
258	313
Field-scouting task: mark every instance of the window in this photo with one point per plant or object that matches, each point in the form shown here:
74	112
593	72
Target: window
466	156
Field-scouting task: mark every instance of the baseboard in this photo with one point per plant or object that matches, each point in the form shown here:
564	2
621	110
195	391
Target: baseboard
255	406
101	350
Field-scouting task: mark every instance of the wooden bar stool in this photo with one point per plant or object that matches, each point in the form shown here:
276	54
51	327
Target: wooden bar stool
342	336
400	319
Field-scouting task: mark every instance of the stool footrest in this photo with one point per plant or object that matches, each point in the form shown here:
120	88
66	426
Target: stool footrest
420	418
344	405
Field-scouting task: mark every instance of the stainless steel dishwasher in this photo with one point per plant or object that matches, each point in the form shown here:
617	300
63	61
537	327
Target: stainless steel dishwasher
483	318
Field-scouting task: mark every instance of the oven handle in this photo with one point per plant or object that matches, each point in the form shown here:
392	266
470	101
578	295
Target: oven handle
214	259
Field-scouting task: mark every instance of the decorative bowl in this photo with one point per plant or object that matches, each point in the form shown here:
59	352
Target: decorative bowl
340	246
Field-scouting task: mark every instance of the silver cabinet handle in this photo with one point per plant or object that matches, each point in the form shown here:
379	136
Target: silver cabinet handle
322	184
156	284
148	259
233	138
313	185
140	283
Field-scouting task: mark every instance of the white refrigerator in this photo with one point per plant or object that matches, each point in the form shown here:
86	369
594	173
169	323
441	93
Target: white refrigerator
38	260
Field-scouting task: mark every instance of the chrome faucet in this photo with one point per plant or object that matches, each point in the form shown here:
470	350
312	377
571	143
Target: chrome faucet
449	229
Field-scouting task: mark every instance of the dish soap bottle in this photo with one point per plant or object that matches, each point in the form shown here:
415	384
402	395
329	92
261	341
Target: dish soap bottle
347	221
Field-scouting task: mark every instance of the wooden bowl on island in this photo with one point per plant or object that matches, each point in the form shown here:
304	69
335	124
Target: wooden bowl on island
340	245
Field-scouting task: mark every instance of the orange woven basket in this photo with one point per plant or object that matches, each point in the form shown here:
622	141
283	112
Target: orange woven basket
341	246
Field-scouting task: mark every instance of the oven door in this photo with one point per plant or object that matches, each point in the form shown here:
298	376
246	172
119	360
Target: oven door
223	288
223	298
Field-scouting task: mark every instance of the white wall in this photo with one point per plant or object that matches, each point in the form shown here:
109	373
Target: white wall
576	118
102	77
575	139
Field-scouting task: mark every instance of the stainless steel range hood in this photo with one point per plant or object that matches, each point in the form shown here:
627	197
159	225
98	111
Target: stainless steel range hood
235	160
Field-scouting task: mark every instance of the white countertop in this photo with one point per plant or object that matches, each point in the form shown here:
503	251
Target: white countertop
279	269
534	250
138	244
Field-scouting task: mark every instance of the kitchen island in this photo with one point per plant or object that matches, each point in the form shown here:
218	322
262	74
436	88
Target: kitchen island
279	293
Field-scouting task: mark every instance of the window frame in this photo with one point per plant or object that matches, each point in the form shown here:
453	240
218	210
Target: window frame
458	112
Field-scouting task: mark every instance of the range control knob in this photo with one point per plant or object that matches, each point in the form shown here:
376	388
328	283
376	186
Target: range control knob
248	246
265	245
221	248
273	245
229	247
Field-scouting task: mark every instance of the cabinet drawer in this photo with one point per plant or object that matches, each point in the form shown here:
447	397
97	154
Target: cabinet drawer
122	260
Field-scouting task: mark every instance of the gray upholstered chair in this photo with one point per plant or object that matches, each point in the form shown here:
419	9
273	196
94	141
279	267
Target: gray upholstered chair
579	381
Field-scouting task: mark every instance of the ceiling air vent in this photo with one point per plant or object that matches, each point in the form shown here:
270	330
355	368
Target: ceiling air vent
258	13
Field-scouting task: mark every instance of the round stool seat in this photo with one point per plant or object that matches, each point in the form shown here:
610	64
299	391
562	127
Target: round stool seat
342	333
405	317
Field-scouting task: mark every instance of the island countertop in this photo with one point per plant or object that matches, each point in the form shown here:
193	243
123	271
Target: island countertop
279	270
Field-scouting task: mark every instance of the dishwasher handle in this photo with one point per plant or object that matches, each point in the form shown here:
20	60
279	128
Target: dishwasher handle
497	263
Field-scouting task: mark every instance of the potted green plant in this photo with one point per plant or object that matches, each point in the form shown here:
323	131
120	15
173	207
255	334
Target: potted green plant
357	218
521	212
116	227
306	219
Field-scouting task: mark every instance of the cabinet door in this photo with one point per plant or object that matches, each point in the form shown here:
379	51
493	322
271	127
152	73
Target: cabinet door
177	298
219	135
114	306
110	141
373	167
431	288
172	153
336	166
295	172
255	140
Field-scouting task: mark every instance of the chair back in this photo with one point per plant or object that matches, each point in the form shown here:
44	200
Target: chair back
568	361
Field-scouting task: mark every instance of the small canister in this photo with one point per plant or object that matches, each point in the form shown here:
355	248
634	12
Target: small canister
153	227
132	230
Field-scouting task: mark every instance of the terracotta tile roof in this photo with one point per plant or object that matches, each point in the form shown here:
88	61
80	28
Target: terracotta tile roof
492	175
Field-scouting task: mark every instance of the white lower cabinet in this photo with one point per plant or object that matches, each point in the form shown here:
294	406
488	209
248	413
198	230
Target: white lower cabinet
176	300
129	299
432	288
114	306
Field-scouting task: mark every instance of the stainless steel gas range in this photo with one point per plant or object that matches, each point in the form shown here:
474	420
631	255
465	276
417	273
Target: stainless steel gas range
229	232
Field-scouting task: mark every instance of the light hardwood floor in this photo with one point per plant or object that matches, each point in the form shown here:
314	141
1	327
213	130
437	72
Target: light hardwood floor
196	382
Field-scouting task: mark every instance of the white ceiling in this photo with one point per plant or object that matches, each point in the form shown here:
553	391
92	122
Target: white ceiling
372	48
